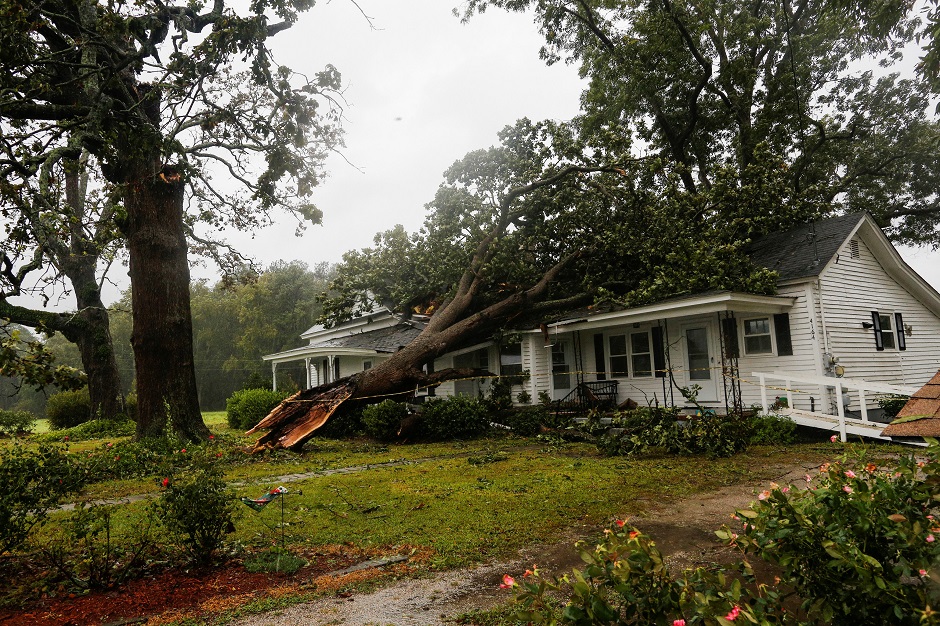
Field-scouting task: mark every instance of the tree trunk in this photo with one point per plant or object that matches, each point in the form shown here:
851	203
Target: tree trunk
162	335
93	338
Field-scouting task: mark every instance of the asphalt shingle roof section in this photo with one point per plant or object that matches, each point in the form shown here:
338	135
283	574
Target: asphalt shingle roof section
792	253
381	340
924	404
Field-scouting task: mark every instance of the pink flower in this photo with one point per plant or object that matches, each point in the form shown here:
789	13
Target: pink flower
733	614
678	622
508	582
929	539
930	517
763	495
165	482
847	489
109	444
808	478
922	572
833	438
183	451
850	474
66	438
785	490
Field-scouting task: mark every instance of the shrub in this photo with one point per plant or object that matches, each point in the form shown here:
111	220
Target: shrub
198	508
68	408
16	422
717	436
892	404
626	581
94	429
859	545
32	481
772	429
86	554
457	417
656	428
345	422
526	421
245	408
130	405
383	420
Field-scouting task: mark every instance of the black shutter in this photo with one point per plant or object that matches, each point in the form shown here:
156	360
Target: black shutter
782	333
729	337
599	359
659	353
899	326
876	323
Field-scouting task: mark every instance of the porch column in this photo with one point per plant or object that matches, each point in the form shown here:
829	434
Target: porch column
328	375
273	376
307	372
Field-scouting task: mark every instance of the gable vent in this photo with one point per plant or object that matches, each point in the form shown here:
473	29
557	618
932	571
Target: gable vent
853	248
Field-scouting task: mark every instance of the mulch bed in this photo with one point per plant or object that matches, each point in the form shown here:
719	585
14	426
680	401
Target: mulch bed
176	593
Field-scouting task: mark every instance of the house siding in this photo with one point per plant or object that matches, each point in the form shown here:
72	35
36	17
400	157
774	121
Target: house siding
853	287
803	336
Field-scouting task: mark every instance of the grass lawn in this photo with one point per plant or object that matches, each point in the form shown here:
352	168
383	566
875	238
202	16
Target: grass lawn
450	504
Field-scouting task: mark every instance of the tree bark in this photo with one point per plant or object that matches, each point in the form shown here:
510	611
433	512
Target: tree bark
93	338
162	335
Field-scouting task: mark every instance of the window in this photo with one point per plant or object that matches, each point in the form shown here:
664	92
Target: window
884	330
366	365
510	359
618	355
641	357
757	338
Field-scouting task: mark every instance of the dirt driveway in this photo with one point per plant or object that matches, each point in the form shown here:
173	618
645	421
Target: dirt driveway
683	530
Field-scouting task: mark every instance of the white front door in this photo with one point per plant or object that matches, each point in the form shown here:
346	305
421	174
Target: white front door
700	360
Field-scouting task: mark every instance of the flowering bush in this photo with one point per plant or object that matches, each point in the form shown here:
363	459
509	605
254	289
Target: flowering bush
32	481
626	582
858	544
197	507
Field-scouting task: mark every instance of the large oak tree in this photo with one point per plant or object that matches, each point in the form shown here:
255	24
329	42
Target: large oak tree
189	120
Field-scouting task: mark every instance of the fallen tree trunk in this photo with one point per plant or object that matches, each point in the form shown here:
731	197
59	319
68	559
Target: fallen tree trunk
293	422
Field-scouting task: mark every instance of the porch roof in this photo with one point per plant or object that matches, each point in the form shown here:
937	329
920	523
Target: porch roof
379	341
682	306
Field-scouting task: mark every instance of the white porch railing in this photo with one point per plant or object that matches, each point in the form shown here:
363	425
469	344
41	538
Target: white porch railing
857	426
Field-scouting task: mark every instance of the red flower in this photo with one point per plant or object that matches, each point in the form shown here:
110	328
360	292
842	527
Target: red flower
634	534
619	522
165	482
733	614
508	582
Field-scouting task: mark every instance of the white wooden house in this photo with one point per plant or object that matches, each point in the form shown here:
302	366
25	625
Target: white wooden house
847	305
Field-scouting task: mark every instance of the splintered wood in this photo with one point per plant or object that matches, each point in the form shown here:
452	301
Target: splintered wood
293	421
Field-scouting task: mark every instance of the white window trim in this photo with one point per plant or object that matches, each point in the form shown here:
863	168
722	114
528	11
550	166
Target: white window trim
773	335
893	332
649	339
611	372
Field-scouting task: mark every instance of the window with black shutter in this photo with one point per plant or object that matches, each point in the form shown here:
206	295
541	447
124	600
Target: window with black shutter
659	352
899	329
729	332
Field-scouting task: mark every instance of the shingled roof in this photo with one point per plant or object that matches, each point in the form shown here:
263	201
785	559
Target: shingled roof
798	253
920	417
381	340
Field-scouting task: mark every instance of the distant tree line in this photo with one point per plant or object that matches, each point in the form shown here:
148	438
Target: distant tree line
236	321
